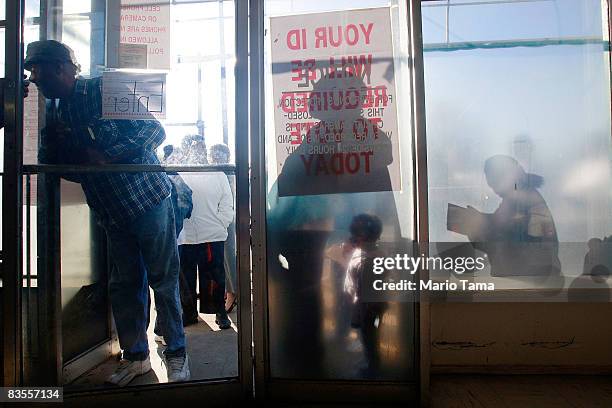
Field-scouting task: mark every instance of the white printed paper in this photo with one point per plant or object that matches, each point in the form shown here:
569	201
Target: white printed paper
131	95
138	23
335	111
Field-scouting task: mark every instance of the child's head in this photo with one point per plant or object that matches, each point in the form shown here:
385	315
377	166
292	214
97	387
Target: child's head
365	228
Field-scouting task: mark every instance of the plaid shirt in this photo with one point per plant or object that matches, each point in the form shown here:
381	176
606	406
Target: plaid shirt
117	198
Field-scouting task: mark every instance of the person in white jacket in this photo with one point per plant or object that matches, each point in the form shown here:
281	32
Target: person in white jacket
202	243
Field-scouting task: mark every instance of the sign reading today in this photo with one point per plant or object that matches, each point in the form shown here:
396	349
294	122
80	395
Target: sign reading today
335	112
139	34
130	95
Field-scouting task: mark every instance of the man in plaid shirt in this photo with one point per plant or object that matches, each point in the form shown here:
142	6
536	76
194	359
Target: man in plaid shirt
135	209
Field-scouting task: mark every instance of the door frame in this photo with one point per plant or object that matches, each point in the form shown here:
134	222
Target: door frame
336	391
12	197
420	193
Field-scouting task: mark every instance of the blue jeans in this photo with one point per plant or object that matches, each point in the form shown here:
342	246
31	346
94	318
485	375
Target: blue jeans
144	252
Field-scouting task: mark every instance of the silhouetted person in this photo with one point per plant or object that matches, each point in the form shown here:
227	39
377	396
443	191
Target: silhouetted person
592	285
367	316
598	260
520	237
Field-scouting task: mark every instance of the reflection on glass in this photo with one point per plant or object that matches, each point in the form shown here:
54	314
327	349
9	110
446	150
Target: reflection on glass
595	275
365	315
518	100
519	237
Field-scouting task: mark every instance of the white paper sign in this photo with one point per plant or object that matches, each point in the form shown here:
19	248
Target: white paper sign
30	126
335	112
137	24
130	95
133	56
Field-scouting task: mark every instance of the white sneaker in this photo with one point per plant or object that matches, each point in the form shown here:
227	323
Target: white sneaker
127	370
177	368
160	339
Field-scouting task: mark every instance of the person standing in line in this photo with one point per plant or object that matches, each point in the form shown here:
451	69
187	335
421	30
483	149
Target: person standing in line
202	241
135	209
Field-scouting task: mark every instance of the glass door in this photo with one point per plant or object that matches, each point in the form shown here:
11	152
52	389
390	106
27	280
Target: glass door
336	126
191	94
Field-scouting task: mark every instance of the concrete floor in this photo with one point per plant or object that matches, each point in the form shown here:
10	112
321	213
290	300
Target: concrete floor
213	353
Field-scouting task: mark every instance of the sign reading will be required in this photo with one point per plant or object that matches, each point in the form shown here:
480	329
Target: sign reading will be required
335	107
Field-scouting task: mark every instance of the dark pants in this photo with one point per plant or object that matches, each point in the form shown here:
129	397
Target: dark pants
144	253
370	334
208	259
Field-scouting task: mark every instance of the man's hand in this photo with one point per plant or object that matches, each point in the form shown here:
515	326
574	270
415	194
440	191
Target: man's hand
25	83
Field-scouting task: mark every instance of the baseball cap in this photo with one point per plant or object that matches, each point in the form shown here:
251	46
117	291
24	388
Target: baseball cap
48	51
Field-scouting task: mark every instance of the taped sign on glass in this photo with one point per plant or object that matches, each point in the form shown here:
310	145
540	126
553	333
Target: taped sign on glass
133	56
136	24
131	95
335	111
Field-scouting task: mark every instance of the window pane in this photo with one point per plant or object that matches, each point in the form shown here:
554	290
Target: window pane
311	331
76	6
518	127
197	105
182	94
85	322
498	20
200	92
32	8
77	34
